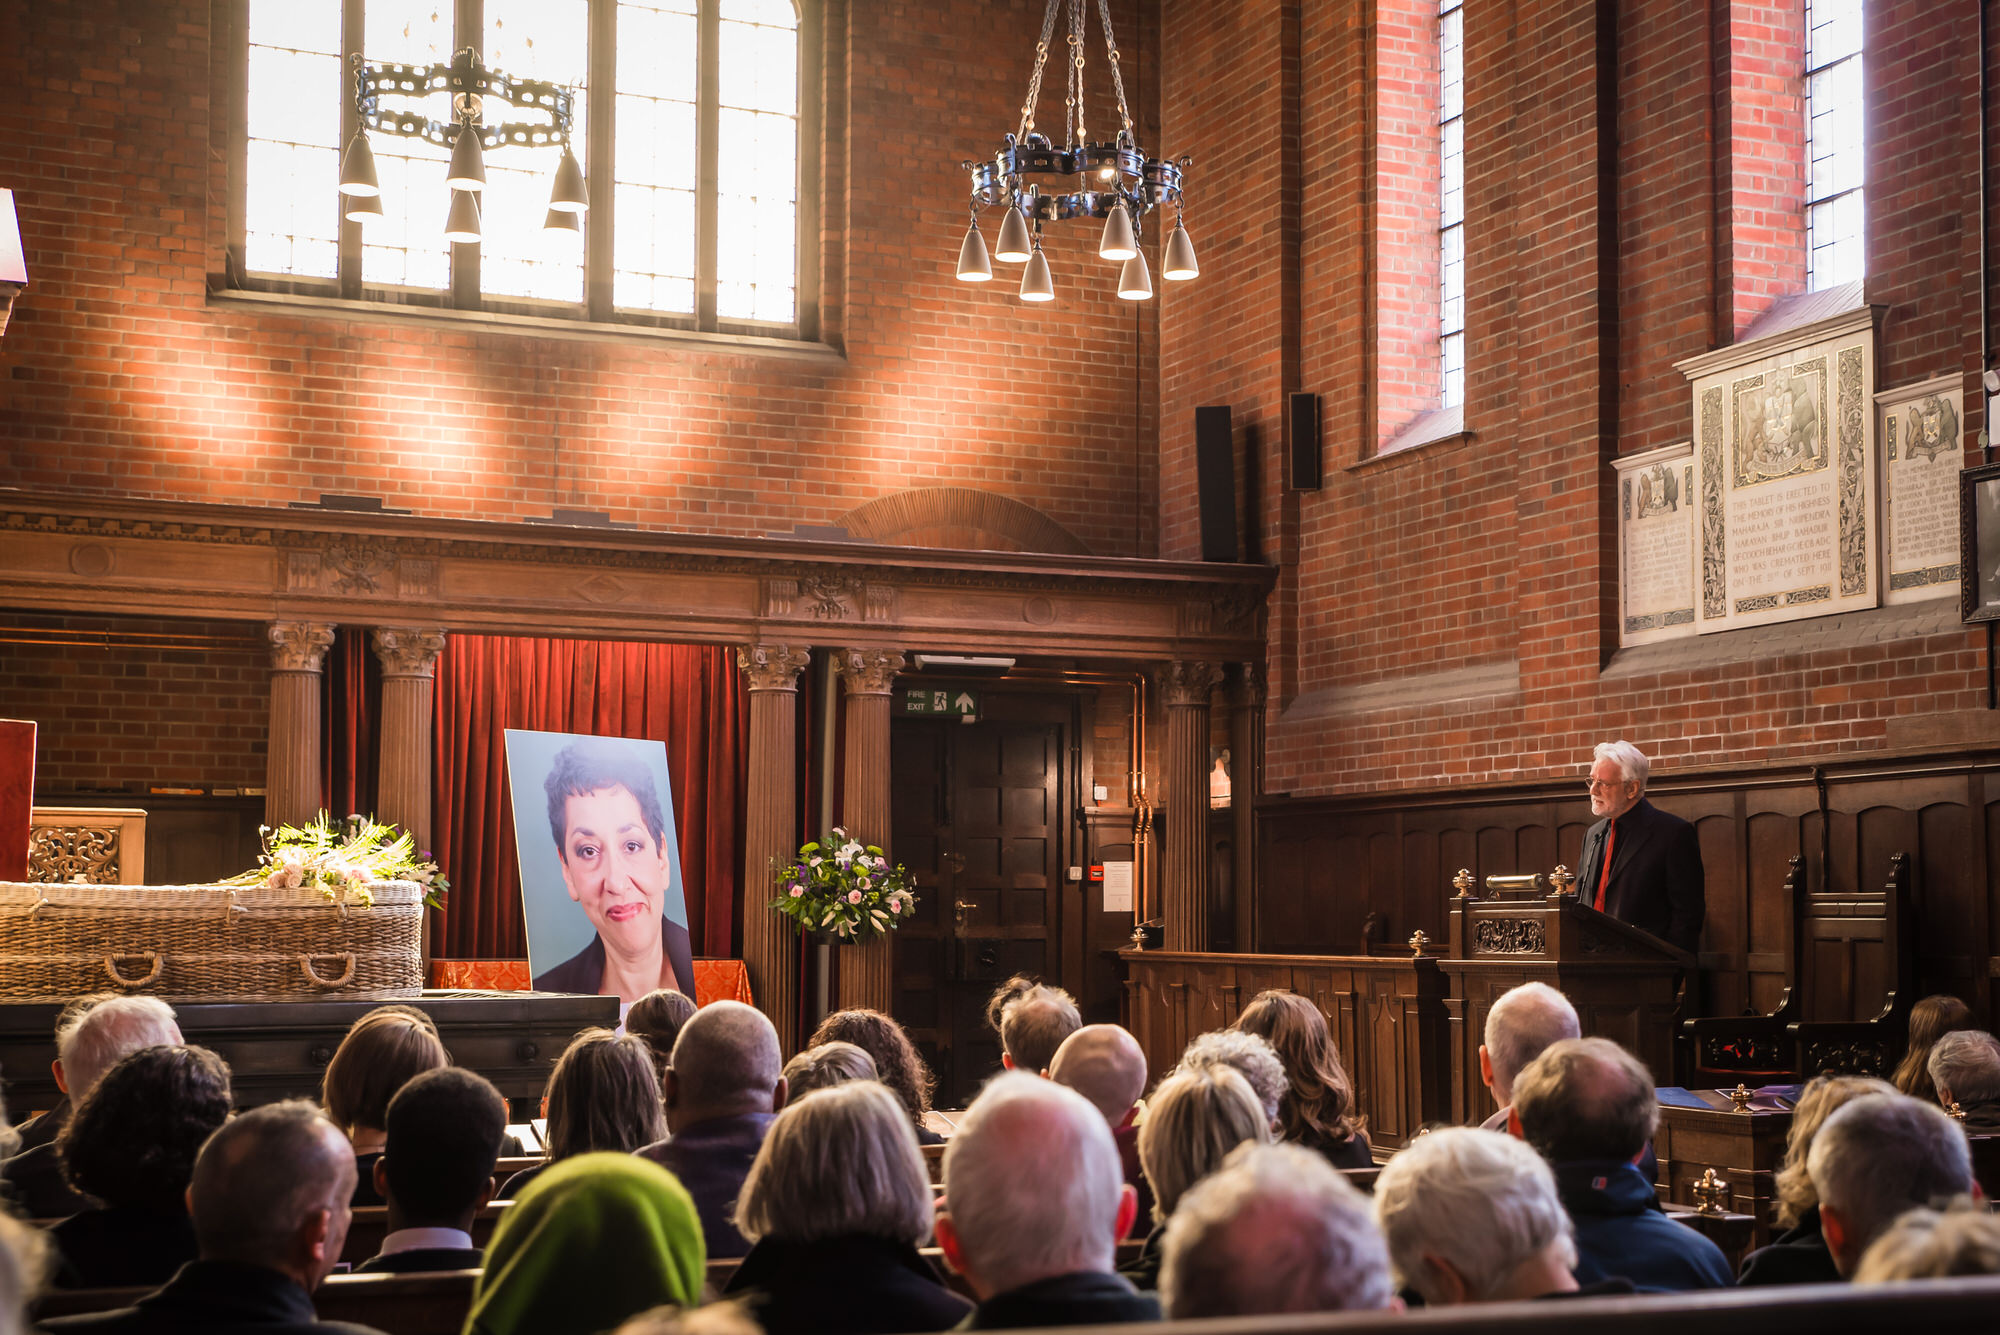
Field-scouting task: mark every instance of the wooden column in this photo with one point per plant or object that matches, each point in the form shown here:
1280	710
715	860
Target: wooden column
409	657
866	675
1246	783
292	777
1184	889
771	830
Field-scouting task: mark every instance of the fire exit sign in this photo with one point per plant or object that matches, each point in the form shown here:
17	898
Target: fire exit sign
953	703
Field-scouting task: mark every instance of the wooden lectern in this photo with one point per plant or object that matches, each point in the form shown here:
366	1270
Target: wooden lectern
1625	983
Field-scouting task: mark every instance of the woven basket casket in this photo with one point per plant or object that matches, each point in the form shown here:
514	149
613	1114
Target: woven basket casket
194	942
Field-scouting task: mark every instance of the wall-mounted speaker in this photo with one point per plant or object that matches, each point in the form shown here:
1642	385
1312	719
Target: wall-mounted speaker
1215	482
1302	442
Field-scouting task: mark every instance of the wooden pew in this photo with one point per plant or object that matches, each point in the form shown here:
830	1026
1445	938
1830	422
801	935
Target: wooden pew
934	1161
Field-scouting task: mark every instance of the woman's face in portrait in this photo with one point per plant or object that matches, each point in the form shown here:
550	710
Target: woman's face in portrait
614	868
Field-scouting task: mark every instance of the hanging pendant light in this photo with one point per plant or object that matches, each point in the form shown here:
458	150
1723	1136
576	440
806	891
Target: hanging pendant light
973	265
1134	282
357	168
362	208
468	161
1118	242
570	194
1036	284
1178	264
1013	245
561	220
461	225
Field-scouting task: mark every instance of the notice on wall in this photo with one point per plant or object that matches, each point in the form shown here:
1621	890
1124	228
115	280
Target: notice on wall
1922	452
1656	544
1117	887
1784	468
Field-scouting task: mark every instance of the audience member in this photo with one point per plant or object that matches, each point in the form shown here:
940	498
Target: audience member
132	1145
604	1095
723	1091
1473	1217
269	1199
383	1051
1965	1068
1521	1025
24	1259
825	1067
595	1240
836	1205
897	1064
1275	1229
91	1040
1193	1121
1033	1025
1932	1244
41	1129
1034	1208
1318	1108
720	1318
444	1131
1252	1058
1104	1063
1874	1158
1799	1255
657	1017
1590	1109
1930	1020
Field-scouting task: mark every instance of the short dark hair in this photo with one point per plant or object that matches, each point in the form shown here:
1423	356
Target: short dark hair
134	1138
604	1095
657	1017
1586	1098
591	763
444	1132
382	1051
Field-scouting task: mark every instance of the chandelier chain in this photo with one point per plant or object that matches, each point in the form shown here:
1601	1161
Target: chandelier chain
1073	103
1117	75
1041	63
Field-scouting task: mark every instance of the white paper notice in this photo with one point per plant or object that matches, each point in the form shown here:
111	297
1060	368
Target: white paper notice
1117	887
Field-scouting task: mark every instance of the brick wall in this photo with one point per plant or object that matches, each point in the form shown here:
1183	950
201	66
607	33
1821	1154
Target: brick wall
125	703
122	376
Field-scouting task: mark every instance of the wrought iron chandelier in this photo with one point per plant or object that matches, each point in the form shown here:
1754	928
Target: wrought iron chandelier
470	83
1115	181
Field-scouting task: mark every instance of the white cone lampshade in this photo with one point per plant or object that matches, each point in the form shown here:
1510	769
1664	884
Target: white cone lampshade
468	161
1178	264
357	168
461	225
362	208
1134	282
562	220
973	264
570	194
1118	242
1036	285
1014	245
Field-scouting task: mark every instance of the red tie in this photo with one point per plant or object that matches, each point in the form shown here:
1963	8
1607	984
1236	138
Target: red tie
1604	876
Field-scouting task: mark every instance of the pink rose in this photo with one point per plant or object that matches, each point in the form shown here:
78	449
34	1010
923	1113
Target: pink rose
798	890
854	896
895	905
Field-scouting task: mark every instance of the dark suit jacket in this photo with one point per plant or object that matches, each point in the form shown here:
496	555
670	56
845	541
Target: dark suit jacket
42	1128
122	1247
1087	1298
214	1298
35	1179
711	1159
844	1286
423	1260
584	971
1657	883
1797	1256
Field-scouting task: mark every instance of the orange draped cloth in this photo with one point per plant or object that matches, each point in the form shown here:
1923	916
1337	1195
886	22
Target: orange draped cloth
714	980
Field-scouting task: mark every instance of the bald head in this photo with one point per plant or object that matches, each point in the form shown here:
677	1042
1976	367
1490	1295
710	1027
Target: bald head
1103	1063
725	1064
1586	1098
1523	1024
271	1188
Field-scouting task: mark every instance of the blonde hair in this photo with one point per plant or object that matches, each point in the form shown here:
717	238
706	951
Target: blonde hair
719	1318
843	1163
383	1051
1793	1187
1194	1119
1933	1244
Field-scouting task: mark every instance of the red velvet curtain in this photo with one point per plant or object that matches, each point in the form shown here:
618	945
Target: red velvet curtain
351	688
688	696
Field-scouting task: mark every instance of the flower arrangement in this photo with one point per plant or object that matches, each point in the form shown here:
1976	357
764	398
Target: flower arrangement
343	860
840	885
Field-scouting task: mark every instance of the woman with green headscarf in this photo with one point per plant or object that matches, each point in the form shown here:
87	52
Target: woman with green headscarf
594	1240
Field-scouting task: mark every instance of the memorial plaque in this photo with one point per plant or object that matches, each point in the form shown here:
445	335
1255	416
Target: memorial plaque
1922	452
1785	465
1656	544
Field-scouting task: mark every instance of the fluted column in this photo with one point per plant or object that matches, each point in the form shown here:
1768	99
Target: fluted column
866	676
409	657
291	776
1246	782
771	830
1184	889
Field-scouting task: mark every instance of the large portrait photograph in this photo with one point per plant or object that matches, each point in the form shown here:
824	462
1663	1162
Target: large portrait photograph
1979	542
601	885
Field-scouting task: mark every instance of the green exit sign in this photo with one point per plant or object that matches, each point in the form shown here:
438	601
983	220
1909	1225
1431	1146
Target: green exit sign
953	703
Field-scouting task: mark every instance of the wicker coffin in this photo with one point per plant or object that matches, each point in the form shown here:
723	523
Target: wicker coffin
199	942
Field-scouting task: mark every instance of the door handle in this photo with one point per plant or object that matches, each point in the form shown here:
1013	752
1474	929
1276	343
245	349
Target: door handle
960	909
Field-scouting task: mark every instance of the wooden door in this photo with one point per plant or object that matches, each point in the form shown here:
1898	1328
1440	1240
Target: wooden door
977	816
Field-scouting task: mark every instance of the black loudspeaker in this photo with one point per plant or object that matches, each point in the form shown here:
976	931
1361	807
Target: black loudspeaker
1215	483
1302	442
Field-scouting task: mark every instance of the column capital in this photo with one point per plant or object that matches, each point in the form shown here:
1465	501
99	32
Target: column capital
1250	686
1186	682
868	671
298	646
408	651
772	667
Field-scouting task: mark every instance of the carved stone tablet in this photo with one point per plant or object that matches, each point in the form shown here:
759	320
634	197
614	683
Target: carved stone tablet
1922	452
1656	544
